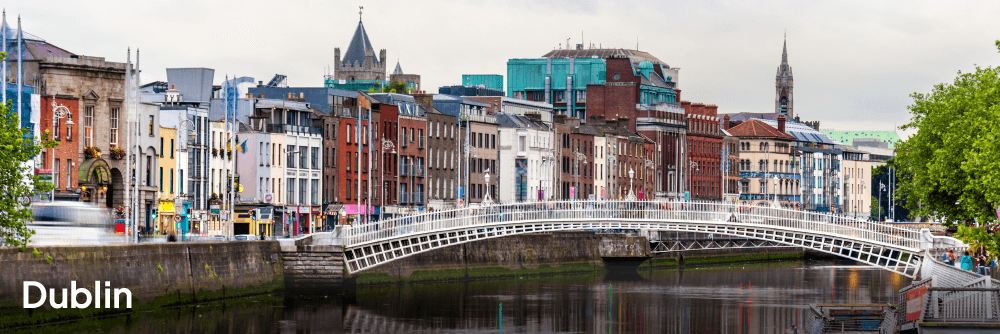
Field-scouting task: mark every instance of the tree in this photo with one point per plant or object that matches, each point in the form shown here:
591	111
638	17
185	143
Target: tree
16	179
951	166
395	86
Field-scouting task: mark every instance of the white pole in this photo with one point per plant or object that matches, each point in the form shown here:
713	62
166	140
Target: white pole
3	31
20	70
128	138
357	136
134	92
229	185
371	152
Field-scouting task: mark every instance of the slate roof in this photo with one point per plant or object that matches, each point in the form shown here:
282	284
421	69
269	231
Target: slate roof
34	47
398	70
803	133
635	55
757	128
518	121
359	45
746	116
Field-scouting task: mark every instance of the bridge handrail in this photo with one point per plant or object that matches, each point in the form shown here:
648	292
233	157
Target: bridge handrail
563	211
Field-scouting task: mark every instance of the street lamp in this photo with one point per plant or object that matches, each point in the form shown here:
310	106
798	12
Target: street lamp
58	111
579	157
612	159
775	203
692	165
487	200
631	196
386	145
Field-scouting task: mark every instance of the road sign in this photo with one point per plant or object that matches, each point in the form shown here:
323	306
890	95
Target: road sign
268	198
177	218
25	200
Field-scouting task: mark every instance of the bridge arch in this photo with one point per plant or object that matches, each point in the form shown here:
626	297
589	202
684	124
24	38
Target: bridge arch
889	247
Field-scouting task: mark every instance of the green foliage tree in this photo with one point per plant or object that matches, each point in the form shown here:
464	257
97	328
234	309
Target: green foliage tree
951	166
395	86
16	178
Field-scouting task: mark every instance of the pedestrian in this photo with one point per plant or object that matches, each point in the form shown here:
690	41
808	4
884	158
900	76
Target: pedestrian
950	257
172	237
966	261
981	269
262	235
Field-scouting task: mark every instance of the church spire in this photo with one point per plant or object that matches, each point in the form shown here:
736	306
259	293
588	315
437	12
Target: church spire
784	50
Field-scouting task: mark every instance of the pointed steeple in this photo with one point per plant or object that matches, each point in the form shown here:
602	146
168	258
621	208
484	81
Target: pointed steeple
784	50
398	70
359	45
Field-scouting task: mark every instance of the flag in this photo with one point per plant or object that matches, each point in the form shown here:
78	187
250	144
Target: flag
242	147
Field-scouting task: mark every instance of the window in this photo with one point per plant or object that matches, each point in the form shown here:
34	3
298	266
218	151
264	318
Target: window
151	122
314	156
180	181
69	173
161	147
302	157
291	191
171	180
315	192
55	173
349	134
88	126
291	157
171	148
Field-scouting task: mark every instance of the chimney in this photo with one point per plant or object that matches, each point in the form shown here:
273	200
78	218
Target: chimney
781	123
725	122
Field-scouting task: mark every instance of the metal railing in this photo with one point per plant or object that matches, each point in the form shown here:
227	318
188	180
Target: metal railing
631	211
962	304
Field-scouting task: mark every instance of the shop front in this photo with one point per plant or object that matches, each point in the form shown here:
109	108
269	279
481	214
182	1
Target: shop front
165	216
352	211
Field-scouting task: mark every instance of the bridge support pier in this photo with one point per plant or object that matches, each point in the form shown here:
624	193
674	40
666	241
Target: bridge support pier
313	268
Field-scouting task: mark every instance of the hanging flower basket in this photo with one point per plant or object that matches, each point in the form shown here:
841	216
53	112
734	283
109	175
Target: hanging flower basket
229	155
117	153
121	212
91	152
215	152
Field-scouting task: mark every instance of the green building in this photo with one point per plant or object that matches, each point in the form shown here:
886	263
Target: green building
561	78
491	81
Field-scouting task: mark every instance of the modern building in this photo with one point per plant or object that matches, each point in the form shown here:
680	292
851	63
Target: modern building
509	105
527	157
488	81
770	173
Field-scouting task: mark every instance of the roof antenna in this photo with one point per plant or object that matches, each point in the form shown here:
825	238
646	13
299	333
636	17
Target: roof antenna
636	43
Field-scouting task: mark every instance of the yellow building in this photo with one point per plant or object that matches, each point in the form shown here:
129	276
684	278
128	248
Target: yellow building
167	182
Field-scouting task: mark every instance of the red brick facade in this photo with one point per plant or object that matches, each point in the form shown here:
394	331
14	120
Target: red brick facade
704	137
68	138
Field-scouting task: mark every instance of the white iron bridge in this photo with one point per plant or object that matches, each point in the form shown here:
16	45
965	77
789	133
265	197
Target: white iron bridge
893	248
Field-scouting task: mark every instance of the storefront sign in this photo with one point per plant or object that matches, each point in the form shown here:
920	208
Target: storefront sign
214	208
352	209
316	210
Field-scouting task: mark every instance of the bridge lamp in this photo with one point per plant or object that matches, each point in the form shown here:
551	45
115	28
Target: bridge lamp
58	111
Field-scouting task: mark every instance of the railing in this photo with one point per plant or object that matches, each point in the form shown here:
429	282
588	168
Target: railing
412	170
641	211
420	142
962	304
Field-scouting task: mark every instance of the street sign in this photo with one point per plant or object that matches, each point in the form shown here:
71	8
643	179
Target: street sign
177	218
25	200
268	198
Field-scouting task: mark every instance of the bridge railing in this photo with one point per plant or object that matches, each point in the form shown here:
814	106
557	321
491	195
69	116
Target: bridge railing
629	212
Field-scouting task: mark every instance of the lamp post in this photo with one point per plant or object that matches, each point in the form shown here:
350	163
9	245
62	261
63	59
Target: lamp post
58	111
692	165
612	160
487	200
651	166
631	196
580	157
775	203
386	145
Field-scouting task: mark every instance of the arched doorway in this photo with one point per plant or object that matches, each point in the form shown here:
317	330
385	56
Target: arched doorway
115	195
95	180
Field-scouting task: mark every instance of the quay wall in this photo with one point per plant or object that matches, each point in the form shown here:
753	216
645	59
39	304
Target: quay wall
157	274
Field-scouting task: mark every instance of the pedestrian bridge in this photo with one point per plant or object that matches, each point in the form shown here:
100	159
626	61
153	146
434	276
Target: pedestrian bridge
893	248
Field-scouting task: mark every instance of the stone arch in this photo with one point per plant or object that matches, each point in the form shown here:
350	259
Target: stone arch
115	194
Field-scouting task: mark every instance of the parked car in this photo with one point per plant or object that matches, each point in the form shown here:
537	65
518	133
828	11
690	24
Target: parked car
245	237
71	223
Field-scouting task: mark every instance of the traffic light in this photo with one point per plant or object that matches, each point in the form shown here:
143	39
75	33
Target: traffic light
153	215
253	214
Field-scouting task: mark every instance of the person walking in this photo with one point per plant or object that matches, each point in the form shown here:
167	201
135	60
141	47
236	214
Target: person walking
949	257
966	261
172	237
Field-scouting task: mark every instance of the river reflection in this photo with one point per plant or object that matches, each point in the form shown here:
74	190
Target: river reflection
752	298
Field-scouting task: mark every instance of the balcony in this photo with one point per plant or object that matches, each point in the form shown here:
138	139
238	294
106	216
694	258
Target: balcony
286	128
404	171
420	142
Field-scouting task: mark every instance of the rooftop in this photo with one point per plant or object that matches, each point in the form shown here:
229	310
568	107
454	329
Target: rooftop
635	55
848	137
358	47
757	128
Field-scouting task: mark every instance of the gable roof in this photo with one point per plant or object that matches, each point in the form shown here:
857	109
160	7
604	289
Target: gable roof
757	128
359	45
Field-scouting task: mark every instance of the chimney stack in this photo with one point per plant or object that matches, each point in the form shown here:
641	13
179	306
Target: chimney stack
781	123
725	122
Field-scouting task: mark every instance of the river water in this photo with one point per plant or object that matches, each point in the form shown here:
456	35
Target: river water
731	298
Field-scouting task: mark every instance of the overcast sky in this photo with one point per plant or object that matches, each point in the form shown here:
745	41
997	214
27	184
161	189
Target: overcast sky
855	62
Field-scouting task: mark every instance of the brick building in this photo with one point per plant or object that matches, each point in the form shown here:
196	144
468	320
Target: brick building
704	143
